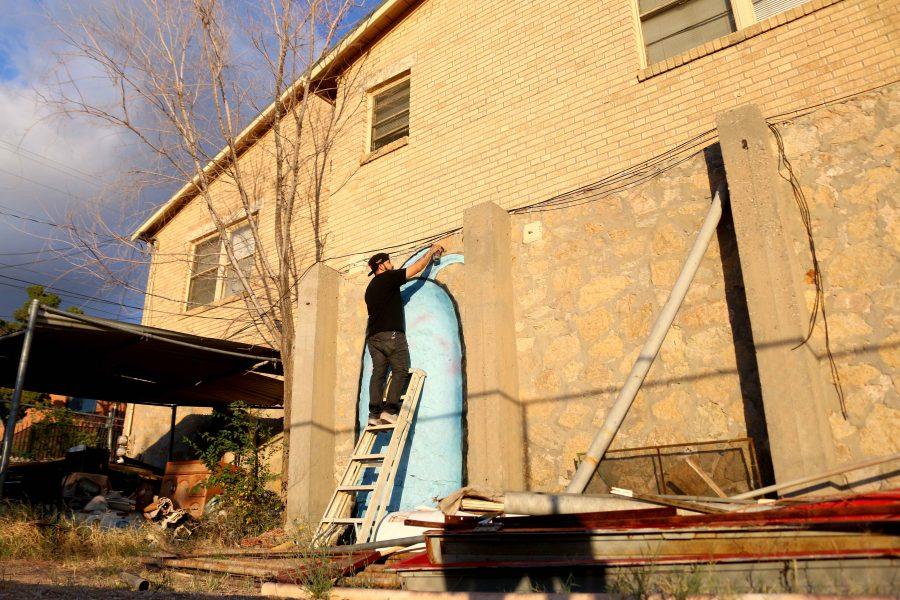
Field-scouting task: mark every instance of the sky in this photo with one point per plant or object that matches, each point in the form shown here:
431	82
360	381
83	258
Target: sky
54	168
50	168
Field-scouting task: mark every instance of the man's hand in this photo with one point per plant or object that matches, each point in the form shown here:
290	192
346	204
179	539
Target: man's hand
416	268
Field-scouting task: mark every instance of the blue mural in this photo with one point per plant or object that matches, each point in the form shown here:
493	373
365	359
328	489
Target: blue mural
432	462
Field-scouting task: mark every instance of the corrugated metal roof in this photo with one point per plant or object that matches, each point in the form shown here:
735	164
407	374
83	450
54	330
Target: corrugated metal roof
109	360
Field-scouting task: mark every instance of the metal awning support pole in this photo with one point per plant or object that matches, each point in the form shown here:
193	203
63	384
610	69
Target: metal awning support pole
172	433
648	353
10	431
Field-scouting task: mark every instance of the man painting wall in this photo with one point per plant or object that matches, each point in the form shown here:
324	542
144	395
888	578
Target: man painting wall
386	333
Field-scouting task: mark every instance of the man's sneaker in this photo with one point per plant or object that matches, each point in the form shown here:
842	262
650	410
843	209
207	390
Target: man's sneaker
388	418
375	420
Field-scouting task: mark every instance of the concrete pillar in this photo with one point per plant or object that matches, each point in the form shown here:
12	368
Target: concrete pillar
310	477
494	415
794	397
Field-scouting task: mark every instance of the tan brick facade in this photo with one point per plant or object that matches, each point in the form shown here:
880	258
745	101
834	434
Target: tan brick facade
515	102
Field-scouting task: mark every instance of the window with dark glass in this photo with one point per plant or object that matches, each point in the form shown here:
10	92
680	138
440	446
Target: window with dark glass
212	275
671	27
204	272
390	115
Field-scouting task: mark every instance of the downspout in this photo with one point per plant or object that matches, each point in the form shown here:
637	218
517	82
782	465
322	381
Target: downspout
10	431
648	353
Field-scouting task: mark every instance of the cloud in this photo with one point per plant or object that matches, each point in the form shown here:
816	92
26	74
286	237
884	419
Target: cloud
51	166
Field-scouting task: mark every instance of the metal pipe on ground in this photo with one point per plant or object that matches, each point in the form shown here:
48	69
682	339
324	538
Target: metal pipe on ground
10	431
215	566
648	353
536	503
135	582
348	549
872	462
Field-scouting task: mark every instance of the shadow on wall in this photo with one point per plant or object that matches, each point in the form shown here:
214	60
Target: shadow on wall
190	427
739	317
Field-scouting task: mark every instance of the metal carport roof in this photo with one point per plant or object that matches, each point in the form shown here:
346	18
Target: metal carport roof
89	357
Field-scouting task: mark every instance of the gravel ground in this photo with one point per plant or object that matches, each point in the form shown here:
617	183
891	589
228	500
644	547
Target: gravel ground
27	579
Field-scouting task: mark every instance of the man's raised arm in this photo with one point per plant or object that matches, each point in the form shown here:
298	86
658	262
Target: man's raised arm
416	268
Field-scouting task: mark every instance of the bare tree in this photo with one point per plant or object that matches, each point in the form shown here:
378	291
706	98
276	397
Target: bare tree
189	75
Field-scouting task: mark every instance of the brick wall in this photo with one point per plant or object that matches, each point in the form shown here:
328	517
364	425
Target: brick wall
516	105
515	102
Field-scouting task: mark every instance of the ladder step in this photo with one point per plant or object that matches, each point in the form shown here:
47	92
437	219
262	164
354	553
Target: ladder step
356	488
380	427
367	458
343	521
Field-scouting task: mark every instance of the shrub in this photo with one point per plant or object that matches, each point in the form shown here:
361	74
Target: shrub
247	507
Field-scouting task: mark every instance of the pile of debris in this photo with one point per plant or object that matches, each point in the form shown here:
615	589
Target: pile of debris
814	542
745	542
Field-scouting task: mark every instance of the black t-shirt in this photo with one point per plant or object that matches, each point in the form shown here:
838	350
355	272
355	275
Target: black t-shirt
384	302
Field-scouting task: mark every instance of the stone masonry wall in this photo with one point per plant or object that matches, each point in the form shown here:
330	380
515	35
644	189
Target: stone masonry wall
845	157
587	293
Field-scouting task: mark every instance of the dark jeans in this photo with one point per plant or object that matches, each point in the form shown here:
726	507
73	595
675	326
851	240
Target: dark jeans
388	348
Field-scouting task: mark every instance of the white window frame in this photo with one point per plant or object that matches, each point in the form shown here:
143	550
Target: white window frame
221	268
742	10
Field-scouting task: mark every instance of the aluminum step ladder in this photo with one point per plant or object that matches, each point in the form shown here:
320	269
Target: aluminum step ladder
362	462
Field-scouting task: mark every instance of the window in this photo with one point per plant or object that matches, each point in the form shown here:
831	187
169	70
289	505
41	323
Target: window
204	272
763	9
390	115
212	275
670	27
243	245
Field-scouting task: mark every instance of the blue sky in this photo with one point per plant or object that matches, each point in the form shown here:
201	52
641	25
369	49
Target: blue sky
53	168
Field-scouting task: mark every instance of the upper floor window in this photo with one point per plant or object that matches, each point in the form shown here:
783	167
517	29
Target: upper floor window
390	114
670	27
763	9
212	275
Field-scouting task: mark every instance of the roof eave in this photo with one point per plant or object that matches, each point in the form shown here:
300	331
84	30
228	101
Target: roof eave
345	52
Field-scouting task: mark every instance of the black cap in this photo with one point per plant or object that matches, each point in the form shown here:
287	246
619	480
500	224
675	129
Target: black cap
376	260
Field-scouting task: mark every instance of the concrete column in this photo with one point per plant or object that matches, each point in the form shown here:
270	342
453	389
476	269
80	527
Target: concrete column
495	443
793	392
310	477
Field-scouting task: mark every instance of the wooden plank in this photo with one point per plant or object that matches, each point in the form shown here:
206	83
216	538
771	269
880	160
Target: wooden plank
705	477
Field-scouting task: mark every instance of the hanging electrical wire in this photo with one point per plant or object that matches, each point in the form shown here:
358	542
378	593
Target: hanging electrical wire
786	171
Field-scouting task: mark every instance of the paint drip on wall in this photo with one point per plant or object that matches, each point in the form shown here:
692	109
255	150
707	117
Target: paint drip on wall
431	465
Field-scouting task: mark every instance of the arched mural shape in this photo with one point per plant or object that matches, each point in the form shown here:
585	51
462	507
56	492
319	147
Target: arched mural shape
431	465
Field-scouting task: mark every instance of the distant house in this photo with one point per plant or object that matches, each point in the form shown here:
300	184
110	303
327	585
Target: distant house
598	132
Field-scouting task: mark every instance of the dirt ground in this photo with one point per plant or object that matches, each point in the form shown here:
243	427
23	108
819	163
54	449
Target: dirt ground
27	579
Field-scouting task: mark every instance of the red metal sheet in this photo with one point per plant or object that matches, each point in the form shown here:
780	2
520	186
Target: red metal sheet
421	561
871	508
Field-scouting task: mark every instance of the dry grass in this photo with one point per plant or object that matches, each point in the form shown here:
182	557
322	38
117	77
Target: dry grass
58	552
26	534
